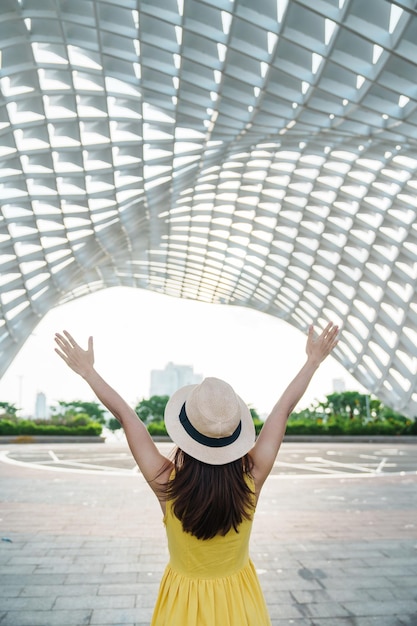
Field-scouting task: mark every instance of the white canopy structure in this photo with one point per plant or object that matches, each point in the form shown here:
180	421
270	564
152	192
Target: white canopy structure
260	154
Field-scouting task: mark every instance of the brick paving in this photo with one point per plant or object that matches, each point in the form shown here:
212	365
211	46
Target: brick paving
89	549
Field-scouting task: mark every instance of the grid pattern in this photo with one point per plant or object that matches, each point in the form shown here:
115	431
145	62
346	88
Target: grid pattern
254	154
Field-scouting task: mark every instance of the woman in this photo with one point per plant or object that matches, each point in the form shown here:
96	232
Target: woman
208	492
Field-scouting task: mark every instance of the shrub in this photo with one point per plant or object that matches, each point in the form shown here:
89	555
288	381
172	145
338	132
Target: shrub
298	427
78	420
7	427
336	425
411	427
302	424
157	429
306	426
258	425
29	427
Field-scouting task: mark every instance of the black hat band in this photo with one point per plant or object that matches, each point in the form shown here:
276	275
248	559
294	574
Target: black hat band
211	442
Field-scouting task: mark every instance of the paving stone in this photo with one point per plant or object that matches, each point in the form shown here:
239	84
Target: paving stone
40	579
95	602
9	569
374	621
351	595
43	603
405	593
372	581
357	621
324	609
100	577
118	616
116	568
403	581
60	590
46	618
292	622
311	596
117	589
10	591
278	597
374	608
287	611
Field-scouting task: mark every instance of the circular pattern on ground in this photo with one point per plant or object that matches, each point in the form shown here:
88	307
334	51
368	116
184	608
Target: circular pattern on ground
295	459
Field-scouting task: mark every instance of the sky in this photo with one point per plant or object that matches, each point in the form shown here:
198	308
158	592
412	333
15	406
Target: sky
136	331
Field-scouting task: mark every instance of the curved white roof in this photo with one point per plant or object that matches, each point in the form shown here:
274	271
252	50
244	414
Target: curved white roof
260	154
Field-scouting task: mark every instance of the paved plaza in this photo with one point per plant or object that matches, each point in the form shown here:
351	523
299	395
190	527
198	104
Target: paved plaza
334	539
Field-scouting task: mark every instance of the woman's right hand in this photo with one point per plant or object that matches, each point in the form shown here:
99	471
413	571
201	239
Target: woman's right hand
79	360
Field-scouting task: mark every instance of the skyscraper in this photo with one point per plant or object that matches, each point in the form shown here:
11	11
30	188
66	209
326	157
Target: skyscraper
172	377
41	410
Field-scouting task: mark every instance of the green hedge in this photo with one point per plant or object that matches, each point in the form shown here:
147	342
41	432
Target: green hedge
338	425
258	425
157	429
334	425
28	427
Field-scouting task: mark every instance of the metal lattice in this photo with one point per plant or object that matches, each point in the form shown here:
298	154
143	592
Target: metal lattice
250	153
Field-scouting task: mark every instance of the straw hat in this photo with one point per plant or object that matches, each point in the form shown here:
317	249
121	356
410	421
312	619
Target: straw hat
210	422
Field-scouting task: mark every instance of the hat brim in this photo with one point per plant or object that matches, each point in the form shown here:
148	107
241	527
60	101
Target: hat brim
206	454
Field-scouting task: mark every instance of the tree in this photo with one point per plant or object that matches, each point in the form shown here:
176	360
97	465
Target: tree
254	413
9	410
350	404
152	410
74	408
347	404
113	424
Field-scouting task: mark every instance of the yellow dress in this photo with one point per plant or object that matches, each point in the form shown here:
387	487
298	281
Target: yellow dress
209	582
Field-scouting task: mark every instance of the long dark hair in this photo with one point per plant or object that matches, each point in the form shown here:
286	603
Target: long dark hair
210	500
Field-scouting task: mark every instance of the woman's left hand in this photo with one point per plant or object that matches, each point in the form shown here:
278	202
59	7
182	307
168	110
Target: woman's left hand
319	347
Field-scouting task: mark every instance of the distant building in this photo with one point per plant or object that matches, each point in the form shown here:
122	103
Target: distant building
41	410
165	382
339	385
